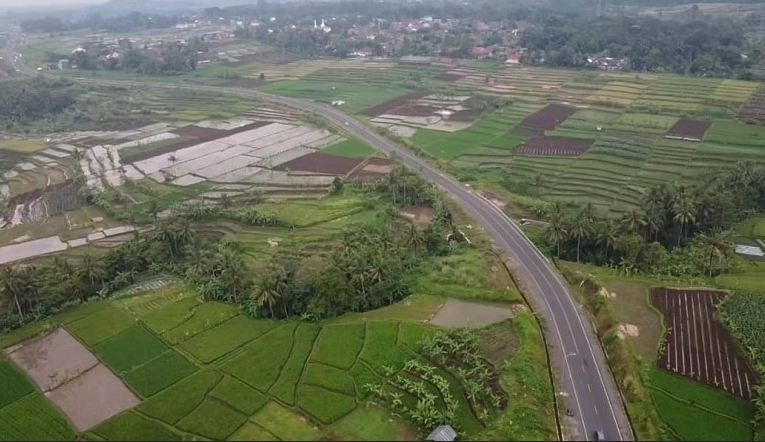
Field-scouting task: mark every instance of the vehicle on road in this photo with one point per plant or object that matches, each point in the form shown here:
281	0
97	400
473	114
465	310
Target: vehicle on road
599	435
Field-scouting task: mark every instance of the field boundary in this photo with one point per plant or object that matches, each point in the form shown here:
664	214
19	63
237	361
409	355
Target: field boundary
696	404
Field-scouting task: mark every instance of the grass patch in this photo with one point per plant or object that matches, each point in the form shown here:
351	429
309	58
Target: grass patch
700	395
239	395
171	316
753	228
182	398
94	329
691	423
329	378
357	97
339	345
203	317
362	376
380	349
131	426
222	339
253	432
212	419
374	423
129	349
465	274
412	334
285	424
326	406
352	148
13	384
23	146
262	360
33	418
159	373
285	386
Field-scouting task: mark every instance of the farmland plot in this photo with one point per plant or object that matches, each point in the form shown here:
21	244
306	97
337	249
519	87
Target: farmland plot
691	130
554	146
548	118
697	346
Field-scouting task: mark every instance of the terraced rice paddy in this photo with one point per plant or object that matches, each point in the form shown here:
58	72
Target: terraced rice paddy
648	129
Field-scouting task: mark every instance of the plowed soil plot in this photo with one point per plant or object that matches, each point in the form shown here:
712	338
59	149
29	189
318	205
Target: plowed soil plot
698	347
554	147
754	110
388	106
375	168
689	129
322	163
548	118
466	115
199	132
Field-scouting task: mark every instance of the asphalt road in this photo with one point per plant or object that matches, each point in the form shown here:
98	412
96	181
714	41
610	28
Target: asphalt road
584	381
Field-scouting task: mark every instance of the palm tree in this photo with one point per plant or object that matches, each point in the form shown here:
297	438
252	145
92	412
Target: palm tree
635	221
92	270
265	294
684	210
580	228
556	230
718	243
13	286
415	238
607	232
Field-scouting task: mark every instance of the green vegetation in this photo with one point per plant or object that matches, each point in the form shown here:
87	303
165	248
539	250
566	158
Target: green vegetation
159	373
34	418
239	395
350	148
692	423
357	97
329	378
94	329
212	419
222	339
131	348
285	424
742	312
13	384
325	405
133	426
182	398
259	365
339	345
285	387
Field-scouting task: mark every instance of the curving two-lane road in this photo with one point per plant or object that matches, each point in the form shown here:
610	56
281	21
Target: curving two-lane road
584	381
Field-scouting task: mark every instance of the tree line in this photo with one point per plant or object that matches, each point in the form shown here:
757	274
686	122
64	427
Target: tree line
364	270
36	98
711	47
168	58
678	230
131	22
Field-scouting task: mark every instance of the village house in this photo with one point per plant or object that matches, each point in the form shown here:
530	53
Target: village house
480	53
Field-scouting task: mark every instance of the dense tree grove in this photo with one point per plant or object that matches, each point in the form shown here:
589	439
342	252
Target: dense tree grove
132	22
680	230
365	270
169	58
35	98
650	44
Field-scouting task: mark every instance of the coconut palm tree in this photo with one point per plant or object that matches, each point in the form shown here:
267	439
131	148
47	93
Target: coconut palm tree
556	229
635	221
607	232
580	228
684	213
13	286
92	270
718	243
265	294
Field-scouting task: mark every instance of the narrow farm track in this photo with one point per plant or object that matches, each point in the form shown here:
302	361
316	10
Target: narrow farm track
584	380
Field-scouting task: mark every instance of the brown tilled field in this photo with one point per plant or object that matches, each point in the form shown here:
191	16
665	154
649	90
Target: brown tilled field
322	163
548	118
374	168
697	346
554	147
449	77
198	132
690	128
388	106
754	109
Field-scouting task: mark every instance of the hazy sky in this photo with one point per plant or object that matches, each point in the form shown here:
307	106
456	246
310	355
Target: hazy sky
4	4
